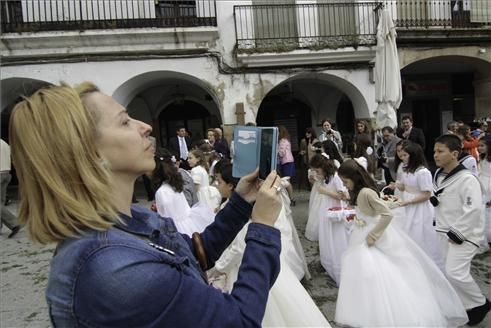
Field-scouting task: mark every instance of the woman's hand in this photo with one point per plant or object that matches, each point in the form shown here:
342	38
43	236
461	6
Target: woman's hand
248	186
268	202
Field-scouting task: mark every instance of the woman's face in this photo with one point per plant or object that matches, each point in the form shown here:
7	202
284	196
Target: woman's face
360	127
192	160
121	140
211	136
326	126
348	183
308	134
224	188
481	148
398	151
404	156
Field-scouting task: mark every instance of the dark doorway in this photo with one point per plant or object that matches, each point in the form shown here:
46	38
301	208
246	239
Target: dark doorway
426	116
285	109
345	123
193	116
288	111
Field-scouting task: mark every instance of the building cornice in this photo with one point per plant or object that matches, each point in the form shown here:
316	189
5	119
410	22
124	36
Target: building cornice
123	41
308	57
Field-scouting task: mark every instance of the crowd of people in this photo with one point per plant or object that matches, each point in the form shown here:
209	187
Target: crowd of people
226	249
391	218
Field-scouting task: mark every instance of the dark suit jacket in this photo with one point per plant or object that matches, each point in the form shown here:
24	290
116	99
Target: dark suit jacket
221	146
416	136
174	145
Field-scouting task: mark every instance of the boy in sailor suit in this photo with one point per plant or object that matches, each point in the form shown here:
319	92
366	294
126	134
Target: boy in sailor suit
460	222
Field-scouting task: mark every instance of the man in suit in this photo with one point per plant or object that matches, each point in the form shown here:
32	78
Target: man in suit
411	133
180	145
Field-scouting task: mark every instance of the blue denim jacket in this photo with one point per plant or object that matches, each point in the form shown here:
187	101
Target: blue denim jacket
145	274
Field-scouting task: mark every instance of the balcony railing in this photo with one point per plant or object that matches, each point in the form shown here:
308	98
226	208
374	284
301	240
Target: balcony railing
53	15
465	14
290	26
286	27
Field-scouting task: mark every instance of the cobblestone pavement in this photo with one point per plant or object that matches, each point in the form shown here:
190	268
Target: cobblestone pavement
24	268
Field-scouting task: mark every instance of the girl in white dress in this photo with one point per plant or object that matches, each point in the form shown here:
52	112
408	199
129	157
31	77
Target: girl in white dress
333	238
199	171
315	199
485	179
386	279
289	304
170	200
416	186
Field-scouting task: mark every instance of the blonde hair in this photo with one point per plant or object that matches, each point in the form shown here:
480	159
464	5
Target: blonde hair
64	186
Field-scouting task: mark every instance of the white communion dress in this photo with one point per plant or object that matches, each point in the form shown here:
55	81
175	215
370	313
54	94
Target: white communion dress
393	283
289	304
333	232
485	179
207	194
172	204
315	203
418	221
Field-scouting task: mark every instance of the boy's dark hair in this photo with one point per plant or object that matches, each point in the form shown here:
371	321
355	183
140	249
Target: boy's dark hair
224	167
326	165
451	141
407	117
350	169
416	156
166	171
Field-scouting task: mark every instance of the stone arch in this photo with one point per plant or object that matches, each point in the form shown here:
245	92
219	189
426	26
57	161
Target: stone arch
137	84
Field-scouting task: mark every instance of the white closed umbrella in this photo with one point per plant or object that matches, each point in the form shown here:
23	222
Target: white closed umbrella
388	89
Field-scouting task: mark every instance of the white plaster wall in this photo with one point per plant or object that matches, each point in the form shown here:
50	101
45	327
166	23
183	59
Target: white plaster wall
226	28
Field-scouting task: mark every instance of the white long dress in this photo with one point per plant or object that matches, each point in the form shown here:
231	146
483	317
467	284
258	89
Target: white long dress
206	194
298	262
418	221
333	234
485	179
289	304
172	204
315	200
393	283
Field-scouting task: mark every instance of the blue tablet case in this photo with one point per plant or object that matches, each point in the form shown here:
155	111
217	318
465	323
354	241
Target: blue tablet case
247	146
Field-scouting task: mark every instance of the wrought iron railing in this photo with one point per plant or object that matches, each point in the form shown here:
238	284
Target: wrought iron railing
433	14
52	15
283	27
279	27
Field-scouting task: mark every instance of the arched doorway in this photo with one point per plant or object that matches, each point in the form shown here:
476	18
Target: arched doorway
306	99
441	89
168	99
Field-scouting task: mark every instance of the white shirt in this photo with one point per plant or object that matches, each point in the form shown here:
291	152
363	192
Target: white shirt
183	148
